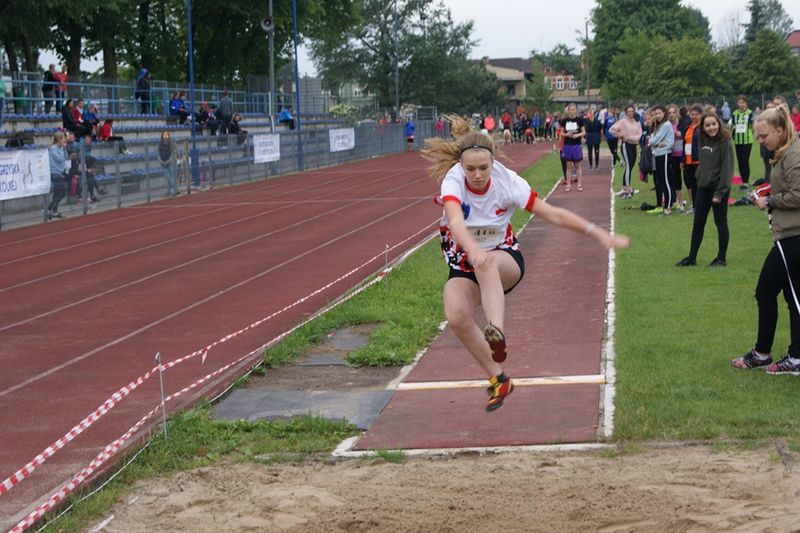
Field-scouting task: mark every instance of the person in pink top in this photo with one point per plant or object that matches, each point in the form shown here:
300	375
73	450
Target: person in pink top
796	117
629	131
60	86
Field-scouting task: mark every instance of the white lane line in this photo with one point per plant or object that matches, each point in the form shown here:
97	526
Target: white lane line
609	391
593	379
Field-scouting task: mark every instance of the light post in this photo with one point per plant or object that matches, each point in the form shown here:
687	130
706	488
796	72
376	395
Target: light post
193	159
396	66
268	25
586	48
297	91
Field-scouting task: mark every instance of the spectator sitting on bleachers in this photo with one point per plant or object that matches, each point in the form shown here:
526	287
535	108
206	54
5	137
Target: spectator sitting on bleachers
91	168
107	135
213	120
236	129
201	117
177	108
90	119
285	117
69	121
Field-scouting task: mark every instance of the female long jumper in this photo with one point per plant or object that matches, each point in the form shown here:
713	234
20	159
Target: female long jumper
479	196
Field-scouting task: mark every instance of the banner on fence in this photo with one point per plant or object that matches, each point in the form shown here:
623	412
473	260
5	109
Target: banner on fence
24	173
267	147
342	139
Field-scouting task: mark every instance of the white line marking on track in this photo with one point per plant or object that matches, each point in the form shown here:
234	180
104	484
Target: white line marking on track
596	379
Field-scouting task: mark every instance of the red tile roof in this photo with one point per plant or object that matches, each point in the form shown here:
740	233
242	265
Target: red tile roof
793	39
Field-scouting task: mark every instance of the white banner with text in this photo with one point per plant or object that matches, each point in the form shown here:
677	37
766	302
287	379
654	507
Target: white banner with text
342	139
24	173
266	148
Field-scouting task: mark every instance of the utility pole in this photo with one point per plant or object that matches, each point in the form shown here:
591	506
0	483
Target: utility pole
396	67
586	47
271	70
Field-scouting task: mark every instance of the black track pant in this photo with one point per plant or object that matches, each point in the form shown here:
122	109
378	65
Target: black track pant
702	205
612	145
594	149
629	157
665	194
780	272
690	181
59	191
743	157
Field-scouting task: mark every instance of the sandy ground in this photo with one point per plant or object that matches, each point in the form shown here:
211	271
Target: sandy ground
679	489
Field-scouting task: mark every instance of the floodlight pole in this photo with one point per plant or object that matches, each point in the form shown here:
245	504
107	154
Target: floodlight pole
586	46
396	66
271	103
297	91
195	164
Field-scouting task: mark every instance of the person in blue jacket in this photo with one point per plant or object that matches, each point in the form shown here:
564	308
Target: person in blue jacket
285	117
408	131
613	143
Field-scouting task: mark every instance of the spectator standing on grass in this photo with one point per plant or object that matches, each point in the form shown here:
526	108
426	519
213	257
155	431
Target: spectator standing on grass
764	152
612	142
743	138
675	165
661	141
781	268
725	114
59	161
628	130
479	195
691	154
166	156
225	112
142	93
60	87
49	88
714	175
107	135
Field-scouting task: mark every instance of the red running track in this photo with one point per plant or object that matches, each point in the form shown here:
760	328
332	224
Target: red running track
87	302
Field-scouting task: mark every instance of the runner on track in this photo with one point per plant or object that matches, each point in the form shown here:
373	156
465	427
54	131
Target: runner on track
479	196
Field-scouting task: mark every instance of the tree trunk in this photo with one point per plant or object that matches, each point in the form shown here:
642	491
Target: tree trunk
145	54
13	62
31	55
74	63
109	63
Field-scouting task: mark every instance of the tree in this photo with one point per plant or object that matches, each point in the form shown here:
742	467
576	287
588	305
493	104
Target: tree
431	53
659	70
769	66
666	18
766	15
538	94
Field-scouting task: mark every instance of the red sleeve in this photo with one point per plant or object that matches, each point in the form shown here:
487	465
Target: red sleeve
531	200
450	198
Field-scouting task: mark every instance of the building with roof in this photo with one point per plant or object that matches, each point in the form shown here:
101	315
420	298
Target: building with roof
513	72
793	40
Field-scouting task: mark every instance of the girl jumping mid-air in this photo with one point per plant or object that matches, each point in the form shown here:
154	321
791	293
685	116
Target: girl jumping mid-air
479	195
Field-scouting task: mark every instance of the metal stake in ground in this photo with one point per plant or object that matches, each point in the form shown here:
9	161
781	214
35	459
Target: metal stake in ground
161	383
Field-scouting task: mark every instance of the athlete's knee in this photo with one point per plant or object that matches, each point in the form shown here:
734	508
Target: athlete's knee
458	316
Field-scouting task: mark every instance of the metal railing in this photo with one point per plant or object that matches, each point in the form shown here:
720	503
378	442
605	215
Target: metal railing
116	178
25	96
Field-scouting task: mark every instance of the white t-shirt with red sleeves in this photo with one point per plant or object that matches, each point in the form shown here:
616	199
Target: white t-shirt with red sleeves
487	214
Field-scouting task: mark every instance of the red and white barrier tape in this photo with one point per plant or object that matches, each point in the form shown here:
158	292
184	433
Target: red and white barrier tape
111	402
111	449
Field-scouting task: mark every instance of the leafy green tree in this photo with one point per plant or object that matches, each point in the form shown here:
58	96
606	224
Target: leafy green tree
24	31
769	65
666	18
538	94
658	70
766	15
430	49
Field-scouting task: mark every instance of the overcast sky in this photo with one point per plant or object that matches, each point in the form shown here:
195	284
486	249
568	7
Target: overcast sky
512	28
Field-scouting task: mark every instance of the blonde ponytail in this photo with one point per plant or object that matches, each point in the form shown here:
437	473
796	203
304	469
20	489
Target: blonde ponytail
778	118
445	153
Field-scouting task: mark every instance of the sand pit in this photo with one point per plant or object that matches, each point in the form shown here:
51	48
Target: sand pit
667	489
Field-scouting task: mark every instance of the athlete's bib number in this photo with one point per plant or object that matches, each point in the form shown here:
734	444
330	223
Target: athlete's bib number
487	237
688	149
571	127
741	128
